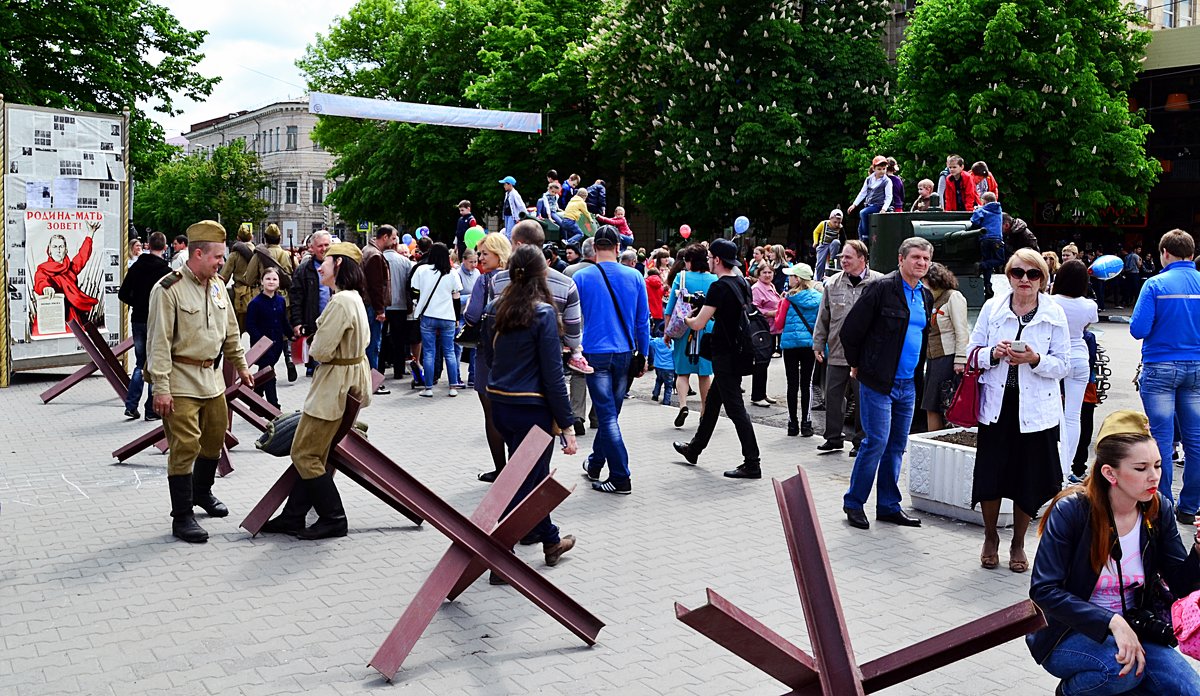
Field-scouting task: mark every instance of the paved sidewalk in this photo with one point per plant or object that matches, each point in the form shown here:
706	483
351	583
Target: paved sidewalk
97	598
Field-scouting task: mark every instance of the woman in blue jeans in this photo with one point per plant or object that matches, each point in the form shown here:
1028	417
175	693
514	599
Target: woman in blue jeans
438	309
1103	542
520	344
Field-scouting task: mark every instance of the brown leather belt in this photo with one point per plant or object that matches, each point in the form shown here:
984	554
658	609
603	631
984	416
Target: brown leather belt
191	361
345	361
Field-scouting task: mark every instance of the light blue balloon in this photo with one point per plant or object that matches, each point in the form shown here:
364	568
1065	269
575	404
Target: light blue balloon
407	239
422	231
741	224
1108	267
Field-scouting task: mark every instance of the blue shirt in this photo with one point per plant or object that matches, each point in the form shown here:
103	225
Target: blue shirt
323	291
1167	315
602	330
910	354
662	356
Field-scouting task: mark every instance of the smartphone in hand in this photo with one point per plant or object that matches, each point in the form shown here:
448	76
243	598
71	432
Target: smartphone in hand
1017	346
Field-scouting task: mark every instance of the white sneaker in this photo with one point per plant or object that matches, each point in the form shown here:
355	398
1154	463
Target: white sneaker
453	392
427	393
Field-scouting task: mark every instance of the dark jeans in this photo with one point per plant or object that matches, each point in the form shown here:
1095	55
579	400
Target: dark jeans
837	381
514	423
137	380
608	385
726	390
758	382
991	260
798	367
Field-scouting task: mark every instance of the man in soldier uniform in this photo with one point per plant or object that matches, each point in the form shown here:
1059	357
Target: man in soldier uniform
191	324
235	268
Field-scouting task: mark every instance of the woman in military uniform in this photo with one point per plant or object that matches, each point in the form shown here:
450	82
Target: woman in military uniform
340	346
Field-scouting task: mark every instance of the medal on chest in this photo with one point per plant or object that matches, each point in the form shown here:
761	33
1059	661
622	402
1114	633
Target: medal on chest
218	298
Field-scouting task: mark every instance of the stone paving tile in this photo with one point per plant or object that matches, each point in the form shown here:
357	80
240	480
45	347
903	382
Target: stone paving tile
95	597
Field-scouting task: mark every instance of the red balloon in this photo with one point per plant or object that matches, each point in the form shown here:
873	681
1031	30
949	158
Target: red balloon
685	231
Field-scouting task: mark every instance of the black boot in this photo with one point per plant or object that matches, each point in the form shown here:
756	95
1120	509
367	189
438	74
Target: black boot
327	501
294	515
183	522
793	428
806	429
204	472
291	370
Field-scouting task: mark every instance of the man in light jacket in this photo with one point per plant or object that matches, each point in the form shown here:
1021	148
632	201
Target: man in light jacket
842	290
513	205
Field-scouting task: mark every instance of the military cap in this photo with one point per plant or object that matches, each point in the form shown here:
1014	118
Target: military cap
206	231
347	250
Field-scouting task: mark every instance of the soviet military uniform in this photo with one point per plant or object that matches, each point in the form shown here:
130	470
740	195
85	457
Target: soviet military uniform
243	289
190	324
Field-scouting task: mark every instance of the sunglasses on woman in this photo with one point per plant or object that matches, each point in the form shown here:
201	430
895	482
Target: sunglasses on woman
1032	274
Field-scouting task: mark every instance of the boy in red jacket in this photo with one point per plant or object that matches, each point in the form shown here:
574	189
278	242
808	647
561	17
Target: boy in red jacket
960	188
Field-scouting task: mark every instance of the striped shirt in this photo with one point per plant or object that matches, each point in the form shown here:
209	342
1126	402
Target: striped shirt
566	301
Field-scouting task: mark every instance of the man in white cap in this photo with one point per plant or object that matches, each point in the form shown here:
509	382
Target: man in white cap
826	238
513	205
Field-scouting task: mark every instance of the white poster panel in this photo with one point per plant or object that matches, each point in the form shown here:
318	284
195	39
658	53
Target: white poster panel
67	267
359	107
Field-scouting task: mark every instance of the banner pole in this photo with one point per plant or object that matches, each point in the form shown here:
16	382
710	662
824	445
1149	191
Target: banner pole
5	325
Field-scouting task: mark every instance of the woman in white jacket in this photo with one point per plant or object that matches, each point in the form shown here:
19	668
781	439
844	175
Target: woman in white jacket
1025	352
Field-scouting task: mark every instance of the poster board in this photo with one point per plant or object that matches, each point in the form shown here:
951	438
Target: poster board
65	204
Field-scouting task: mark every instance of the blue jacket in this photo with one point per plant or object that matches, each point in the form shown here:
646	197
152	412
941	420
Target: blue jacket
662	357
597	199
465	222
525	367
1167	315
267	316
991	218
602	329
1063	578
795	333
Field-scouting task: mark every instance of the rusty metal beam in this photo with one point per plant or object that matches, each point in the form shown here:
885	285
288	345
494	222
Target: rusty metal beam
839	673
102	356
749	639
83	373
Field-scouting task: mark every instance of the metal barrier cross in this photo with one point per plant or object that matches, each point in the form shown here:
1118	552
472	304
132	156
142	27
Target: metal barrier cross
101	358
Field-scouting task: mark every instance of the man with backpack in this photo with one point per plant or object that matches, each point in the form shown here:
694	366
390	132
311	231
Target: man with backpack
884	339
733	353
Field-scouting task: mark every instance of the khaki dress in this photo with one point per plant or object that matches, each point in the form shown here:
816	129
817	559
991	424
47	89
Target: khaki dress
340	345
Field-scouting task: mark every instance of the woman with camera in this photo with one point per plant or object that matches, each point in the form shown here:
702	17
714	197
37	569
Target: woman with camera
1107	548
1024	350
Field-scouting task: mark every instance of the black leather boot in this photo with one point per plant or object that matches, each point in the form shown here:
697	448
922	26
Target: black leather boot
294	515
328	502
183	521
204	472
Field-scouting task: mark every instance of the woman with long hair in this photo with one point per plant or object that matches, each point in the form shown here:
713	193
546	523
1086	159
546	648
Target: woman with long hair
693	277
947	344
778	263
494	251
1024	352
340	348
1070	293
522	346
1052	264
1107	548
794	321
438	310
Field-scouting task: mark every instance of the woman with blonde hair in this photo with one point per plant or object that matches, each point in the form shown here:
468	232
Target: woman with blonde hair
494	251
1052	265
1025	349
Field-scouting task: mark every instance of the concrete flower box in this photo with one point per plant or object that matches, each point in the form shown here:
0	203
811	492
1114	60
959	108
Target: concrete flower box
940	475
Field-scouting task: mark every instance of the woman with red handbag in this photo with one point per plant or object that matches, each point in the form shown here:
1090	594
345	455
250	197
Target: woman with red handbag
1024	352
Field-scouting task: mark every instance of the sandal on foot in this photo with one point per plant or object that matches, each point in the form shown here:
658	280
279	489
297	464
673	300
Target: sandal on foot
989	561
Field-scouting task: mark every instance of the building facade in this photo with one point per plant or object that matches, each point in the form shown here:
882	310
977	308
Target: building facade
296	166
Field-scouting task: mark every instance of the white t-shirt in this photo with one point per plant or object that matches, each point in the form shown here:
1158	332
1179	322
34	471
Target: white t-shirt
1133	572
437	304
1080	312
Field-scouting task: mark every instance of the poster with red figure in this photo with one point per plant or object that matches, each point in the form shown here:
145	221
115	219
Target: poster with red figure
64	262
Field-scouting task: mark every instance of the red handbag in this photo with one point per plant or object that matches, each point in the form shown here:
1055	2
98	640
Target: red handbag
964	407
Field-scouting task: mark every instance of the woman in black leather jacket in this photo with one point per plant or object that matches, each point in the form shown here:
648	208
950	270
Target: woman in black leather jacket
521	345
1101	542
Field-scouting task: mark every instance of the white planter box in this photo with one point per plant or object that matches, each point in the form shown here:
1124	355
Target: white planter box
940	475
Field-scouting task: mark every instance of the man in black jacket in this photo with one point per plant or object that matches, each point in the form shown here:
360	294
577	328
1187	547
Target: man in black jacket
307	297
884	338
149	268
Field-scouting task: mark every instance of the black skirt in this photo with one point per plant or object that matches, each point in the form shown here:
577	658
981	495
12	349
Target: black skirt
1022	467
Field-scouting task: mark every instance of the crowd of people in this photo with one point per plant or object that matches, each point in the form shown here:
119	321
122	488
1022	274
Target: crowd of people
538	329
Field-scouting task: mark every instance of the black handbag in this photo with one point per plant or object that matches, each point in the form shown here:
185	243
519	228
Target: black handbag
468	336
637	363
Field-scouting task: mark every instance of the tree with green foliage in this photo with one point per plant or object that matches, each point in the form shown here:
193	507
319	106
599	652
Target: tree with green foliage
737	109
504	54
102	55
1037	89
223	186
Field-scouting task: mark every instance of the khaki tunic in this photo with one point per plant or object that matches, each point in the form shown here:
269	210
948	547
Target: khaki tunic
256	268
342	333
190	319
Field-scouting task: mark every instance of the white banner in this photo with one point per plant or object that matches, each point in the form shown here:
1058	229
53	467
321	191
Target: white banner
359	107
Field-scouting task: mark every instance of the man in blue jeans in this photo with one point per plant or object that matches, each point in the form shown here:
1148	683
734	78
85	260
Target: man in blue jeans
616	322
135	290
1167	319
378	276
884	339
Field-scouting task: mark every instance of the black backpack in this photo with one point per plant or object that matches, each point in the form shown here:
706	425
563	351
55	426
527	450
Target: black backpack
755	342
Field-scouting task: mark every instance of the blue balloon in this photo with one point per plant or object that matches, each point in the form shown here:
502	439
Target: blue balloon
407	239
1107	267
422	231
741	224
